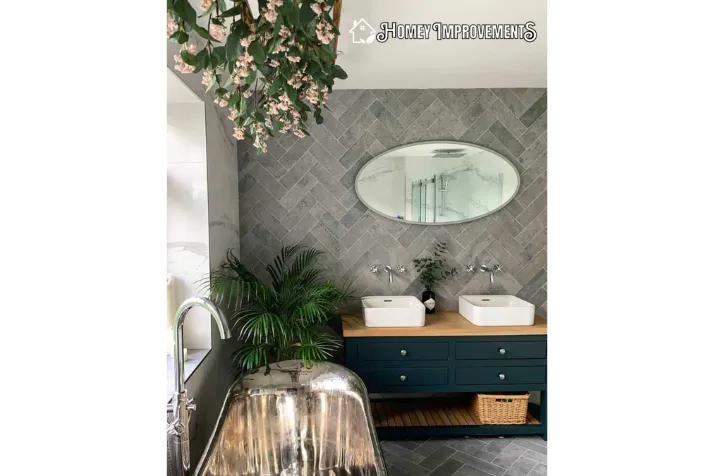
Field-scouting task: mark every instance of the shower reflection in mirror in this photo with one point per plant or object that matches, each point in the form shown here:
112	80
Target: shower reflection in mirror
423	183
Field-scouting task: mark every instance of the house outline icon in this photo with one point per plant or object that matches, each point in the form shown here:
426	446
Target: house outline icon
362	32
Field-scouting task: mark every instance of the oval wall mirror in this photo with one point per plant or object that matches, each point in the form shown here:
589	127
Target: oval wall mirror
437	182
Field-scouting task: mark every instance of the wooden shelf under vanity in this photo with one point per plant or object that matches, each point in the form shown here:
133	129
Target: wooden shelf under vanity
431	412
440	417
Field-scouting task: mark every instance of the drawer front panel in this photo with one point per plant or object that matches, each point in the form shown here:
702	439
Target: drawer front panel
396	351
405	377
500	350
499	375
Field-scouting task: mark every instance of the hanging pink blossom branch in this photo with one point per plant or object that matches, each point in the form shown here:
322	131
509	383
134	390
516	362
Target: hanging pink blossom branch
290	44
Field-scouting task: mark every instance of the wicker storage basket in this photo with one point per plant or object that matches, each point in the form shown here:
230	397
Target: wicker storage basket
501	409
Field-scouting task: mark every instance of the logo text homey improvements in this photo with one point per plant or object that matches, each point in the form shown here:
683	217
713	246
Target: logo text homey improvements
456	31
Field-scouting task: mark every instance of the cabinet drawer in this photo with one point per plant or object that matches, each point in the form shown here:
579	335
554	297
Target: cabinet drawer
403	351
500	350
499	375
405	376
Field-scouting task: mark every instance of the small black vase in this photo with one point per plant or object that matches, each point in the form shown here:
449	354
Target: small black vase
428	298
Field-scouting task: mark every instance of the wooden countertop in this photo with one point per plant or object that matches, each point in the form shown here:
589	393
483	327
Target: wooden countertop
441	323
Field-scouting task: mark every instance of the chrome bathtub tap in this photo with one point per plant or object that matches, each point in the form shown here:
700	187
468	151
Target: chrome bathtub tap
180	405
490	271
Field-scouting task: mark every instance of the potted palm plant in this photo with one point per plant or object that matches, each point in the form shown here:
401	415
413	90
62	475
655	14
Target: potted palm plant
431	271
285	318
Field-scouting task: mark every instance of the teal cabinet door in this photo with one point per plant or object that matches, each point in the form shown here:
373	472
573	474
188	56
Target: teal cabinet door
405	377
499	375
401	351
498	350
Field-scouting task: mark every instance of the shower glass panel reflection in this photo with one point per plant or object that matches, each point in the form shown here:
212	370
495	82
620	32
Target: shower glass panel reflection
424	200
472	193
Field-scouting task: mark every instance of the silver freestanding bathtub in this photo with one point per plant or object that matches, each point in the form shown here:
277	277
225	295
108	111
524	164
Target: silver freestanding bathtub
295	421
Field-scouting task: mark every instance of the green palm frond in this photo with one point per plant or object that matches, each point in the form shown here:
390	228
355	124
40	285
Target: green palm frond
315	346
277	269
282	319
252	356
259	326
306	260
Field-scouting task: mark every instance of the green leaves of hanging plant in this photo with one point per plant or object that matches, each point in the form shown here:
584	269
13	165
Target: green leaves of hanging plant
184	10
306	13
202	32
188	58
257	52
179	37
338	72
277	84
218	56
273	44
233	47
220	60
234	99
251	77
203	59
313	68
231	12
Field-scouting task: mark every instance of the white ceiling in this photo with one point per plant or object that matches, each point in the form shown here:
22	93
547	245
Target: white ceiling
431	63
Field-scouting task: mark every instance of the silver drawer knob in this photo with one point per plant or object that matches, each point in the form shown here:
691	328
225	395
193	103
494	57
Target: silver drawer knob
502	351
403	378
502	376
403	352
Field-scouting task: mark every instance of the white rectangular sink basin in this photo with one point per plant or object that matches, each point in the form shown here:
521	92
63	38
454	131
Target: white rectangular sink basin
393	311
496	310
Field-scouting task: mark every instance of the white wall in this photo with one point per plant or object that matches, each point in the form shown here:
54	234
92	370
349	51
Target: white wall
409	64
187	201
210	381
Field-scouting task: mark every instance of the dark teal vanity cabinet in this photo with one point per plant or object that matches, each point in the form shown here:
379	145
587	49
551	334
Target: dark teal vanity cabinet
455	359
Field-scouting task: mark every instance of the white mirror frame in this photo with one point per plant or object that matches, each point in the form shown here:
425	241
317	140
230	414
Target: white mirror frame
410	222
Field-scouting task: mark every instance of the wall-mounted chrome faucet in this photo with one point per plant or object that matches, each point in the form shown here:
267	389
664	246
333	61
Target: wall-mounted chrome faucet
485	269
390	272
181	407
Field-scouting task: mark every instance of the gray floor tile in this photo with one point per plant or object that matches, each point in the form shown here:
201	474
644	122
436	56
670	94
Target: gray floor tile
437	458
395	471
467	470
404	465
409	444
532	446
428	447
521	467
447	468
402	452
539	469
538	457
497	445
508	456
511	456
477	463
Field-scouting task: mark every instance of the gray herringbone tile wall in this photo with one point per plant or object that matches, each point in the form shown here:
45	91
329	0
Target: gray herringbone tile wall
302	191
